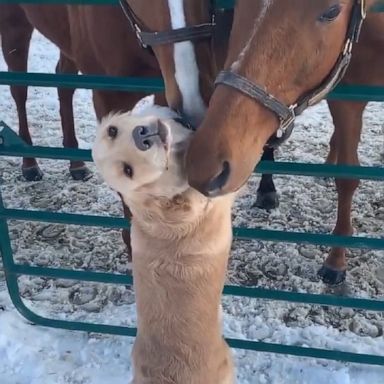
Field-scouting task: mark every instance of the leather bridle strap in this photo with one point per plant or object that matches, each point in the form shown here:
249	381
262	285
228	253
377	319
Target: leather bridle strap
195	32
256	92
151	39
287	114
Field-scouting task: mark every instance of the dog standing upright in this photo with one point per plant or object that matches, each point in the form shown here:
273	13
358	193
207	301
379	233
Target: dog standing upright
181	243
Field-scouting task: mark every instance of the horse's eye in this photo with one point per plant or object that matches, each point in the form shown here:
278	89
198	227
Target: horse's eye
128	171
112	131
331	14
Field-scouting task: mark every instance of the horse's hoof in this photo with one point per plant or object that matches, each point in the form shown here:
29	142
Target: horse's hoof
267	201
32	173
331	276
81	173
126	234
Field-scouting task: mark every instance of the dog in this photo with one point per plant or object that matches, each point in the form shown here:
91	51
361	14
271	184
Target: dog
181	243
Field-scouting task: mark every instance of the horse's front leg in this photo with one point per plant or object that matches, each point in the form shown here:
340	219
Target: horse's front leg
78	169
267	197
347	118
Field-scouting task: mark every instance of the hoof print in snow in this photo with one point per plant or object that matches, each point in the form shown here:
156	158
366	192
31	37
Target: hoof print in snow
51	232
274	271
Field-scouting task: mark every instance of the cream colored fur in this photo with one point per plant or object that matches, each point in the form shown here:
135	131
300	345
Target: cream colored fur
181	242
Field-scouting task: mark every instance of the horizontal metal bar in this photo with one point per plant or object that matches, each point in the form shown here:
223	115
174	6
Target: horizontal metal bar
308	238
234	343
64	218
128	84
46	152
306	352
378	7
321	170
151	85
231	290
277	168
69	274
357	93
223	4
239	233
62	2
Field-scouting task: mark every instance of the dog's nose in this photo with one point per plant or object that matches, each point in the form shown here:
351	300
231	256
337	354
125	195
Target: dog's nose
143	137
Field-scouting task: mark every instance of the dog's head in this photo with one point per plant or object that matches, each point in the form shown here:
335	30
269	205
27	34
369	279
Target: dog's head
139	155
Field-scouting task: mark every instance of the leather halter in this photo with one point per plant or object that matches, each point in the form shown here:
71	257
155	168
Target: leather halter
288	114
147	40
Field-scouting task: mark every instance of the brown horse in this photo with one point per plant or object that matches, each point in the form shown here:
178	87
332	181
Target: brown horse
84	35
189	65
95	40
280	53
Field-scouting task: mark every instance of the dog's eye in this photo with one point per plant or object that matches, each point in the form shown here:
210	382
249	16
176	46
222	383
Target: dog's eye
128	171
112	131
331	14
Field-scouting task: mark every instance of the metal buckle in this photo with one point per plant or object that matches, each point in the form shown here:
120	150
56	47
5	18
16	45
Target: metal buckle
363	15
138	35
285	124
363	5
348	47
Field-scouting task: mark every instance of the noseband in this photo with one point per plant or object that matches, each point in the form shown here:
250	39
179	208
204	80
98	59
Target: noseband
147	40
288	114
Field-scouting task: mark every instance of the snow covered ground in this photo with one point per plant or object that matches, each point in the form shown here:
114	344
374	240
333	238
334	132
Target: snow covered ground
35	355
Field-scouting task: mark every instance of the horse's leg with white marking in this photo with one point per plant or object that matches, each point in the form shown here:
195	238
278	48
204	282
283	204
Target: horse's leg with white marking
78	169
347	118
267	197
15	40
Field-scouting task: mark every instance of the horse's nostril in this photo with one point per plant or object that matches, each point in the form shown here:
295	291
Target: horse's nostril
219	181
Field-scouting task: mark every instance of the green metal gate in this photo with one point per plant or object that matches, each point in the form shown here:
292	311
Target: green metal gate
12	145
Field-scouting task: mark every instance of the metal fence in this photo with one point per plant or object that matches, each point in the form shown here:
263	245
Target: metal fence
12	145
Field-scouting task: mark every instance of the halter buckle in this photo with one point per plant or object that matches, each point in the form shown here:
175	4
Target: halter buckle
363	5
284	130
285	123
363	14
138	33
348	47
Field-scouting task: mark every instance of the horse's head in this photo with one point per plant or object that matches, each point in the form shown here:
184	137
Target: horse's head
183	47
289	49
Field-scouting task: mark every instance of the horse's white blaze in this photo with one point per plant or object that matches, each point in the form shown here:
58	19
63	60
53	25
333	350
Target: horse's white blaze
266	4
186	68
